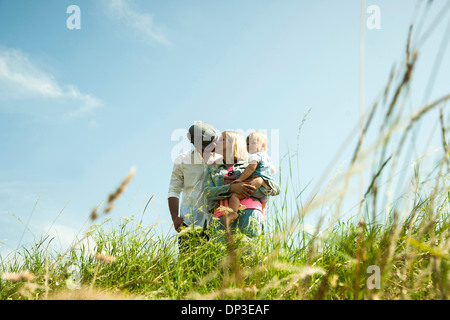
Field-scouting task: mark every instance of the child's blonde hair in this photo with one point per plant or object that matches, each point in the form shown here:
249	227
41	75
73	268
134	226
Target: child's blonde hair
237	146
260	137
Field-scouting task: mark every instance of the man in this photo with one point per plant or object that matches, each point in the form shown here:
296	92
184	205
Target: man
187	178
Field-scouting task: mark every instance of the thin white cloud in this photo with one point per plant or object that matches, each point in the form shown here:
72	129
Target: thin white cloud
126	11
65	236
20	79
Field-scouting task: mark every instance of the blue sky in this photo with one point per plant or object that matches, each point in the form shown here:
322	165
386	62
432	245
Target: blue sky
78	108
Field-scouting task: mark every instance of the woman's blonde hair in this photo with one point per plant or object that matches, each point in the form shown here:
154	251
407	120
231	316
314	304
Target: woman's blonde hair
259	136
236	146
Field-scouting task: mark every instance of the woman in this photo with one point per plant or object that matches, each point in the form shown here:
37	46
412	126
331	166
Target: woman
217	187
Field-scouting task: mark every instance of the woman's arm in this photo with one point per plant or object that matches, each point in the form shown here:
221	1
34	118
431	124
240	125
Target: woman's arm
213	192
270	186
251	167
216	193
273	187
243	189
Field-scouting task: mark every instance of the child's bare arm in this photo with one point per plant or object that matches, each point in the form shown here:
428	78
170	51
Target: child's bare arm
251	167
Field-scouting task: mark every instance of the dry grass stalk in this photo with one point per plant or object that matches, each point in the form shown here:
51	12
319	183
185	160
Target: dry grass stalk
228	292
18	276
444	140
93	214
90	294
105	258
115	195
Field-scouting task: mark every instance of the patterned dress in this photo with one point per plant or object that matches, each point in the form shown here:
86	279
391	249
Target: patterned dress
216	188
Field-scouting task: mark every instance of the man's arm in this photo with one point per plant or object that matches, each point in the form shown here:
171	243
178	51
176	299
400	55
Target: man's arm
174	204
175	189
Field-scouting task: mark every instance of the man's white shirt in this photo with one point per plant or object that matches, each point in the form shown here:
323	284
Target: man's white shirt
187	180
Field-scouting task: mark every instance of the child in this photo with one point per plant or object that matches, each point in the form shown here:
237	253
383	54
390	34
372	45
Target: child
259	165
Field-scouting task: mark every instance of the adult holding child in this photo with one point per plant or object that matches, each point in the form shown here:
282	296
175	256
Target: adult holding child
185	196
219	187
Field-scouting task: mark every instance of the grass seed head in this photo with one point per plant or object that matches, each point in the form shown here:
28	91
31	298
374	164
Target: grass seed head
116	194
94	214
18	276
105	258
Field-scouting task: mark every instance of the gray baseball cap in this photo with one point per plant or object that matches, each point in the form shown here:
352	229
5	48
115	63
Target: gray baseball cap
201	132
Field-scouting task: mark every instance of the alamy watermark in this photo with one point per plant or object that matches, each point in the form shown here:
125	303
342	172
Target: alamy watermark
374	280
373	21
73	22
74	280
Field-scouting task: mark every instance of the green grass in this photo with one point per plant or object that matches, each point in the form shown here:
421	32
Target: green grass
413	258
